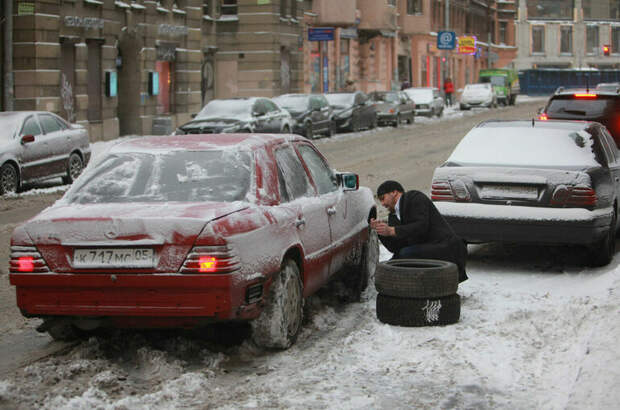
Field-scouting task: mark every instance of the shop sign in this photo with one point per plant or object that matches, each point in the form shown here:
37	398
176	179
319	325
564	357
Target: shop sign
263	2
348	32
446	40
170	30
387	33
320	33
467	45
25	8
85	22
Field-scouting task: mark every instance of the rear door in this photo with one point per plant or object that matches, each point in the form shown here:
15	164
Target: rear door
310	222
59	140
35	155
613	158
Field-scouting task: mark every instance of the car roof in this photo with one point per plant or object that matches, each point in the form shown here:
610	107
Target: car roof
202	142
570	92
548	124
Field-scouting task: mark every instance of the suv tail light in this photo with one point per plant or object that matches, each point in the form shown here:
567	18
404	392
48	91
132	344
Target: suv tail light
210	259
577	196
543	117
584	95
27	259
450	191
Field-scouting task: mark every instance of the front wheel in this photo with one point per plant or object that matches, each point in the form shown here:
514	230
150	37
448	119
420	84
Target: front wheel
358	276
9	180
74	168
280	322
308	131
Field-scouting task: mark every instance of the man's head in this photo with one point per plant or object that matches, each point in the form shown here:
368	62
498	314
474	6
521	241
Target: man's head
389	193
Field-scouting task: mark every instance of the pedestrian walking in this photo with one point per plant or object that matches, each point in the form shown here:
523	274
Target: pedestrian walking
448	88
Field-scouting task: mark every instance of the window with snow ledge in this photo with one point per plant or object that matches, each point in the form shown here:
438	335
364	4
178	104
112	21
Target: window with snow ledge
93	2
228	8
226	17
121	4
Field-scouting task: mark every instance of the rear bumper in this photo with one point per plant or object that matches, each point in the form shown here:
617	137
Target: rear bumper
487	223
141	297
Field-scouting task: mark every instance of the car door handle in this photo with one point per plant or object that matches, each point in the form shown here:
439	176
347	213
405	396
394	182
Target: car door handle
331	211
300	223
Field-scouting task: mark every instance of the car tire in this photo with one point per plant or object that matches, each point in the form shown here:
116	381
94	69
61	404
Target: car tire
9	179
604	250
64	331
308	130
75	166
332	129
417	278
418	312
397	122
280	322
286	130
355	125
358	276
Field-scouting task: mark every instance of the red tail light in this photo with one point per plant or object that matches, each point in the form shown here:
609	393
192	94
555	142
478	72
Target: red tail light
450	191
543	117
210	259
578	196
584	95
27	259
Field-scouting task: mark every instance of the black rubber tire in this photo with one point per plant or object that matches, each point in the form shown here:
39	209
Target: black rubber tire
417	278
397	122
357	277
75	166
602	253
280	322
286	130
308	130
418	312
9	179
65	332
333	128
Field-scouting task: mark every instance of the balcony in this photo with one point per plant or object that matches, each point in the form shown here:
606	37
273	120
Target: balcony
377	14
334	13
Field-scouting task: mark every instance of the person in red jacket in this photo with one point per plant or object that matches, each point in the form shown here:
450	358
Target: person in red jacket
448	88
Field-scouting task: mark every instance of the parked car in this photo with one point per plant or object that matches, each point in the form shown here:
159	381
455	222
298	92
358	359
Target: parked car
311	112
393	107
353	111
180	231
478	95
584	104
542	182
39	145
614	87
428	100
251	114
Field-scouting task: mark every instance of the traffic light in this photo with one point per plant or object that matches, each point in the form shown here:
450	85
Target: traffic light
606	49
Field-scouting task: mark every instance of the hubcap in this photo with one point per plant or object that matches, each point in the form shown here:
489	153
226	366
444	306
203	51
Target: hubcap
291	306
8	179
75	166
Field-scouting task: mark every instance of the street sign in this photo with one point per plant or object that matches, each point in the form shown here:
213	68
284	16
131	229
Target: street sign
446	40
467	45
320	33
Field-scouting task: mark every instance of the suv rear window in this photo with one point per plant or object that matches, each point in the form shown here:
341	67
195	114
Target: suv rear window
591	107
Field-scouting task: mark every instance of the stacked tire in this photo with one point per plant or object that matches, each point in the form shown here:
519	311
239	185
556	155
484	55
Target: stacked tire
417	292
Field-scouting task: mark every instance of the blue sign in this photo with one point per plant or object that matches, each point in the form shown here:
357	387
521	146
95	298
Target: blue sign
446	40
320	33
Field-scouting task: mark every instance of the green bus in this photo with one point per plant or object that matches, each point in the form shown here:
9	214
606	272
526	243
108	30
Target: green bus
505	83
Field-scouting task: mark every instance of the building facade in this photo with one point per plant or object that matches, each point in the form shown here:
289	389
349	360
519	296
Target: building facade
568	34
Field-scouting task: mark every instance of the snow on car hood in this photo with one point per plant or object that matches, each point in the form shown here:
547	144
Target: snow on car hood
138	223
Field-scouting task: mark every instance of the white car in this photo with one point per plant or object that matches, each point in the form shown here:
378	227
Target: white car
428	100
478	95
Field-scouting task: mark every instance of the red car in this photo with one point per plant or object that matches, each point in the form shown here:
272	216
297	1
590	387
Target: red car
182	231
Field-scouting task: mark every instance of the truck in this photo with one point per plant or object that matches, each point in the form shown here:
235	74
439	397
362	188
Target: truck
505	83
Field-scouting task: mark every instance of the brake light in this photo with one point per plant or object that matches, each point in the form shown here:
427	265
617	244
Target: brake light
577	196
210	259
26	259
543	117
584	95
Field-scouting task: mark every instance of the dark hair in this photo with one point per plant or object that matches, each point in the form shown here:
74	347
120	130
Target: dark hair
389	186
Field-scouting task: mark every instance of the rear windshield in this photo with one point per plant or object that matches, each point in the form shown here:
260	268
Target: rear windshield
585	107
525	147
182	176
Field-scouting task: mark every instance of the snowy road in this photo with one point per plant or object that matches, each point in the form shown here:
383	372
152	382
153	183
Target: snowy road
537	330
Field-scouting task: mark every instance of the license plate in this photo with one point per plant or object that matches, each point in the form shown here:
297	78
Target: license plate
113	258
509	191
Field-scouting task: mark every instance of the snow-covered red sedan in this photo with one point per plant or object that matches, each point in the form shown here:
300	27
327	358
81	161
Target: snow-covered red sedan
182	231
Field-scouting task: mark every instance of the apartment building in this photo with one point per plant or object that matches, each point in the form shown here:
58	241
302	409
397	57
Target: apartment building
568	34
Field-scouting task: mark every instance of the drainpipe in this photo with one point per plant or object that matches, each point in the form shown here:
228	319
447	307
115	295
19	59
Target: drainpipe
8	55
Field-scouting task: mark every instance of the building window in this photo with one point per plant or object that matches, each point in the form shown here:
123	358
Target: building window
503	27
283	4
229	7
550	9
592	39
392	3
566	39
345	62
285	7
601	9
538	39
615	40
294	9
414	6
207	8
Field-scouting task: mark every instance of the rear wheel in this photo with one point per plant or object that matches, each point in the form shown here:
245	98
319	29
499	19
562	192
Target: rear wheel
397	122
74	168
9	180
332	128
308	131
280	322
358	276
602	252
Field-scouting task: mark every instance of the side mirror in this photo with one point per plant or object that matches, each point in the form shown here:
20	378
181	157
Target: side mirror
194	115
350	181
27	138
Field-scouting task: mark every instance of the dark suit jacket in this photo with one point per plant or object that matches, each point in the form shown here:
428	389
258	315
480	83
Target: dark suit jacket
422	233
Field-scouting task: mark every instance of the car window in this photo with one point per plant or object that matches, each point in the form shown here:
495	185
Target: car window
49	123
321	174
31	126
608	145
259	108
315	103
578	107
293	172
61	123
270	106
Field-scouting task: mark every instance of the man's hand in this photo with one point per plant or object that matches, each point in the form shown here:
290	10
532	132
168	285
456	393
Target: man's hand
382	228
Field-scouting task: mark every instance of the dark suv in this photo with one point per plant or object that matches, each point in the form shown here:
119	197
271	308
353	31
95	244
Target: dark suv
589	105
